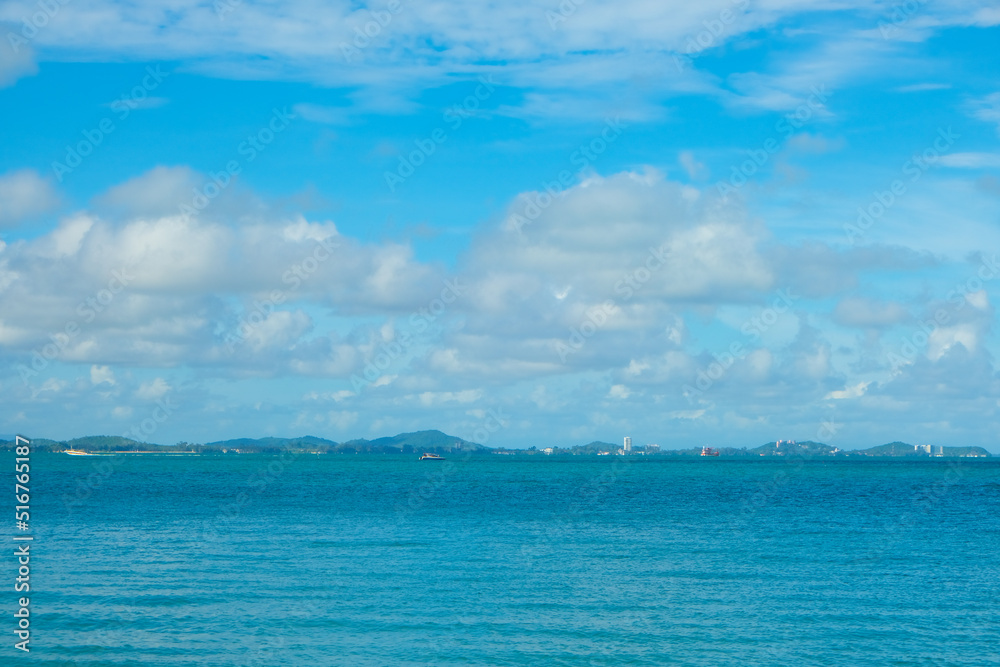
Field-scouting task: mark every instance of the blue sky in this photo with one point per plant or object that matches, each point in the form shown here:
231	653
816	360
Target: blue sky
717	224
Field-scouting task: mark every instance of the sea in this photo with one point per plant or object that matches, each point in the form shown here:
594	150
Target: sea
350	559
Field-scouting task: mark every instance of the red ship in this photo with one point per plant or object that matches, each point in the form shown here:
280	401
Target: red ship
708	451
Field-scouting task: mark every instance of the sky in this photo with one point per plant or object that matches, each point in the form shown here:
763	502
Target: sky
531	223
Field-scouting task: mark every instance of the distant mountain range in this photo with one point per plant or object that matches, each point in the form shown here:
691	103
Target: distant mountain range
805	449
810	449
440	443
404	443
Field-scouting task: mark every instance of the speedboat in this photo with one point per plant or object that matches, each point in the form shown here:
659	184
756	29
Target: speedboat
431	457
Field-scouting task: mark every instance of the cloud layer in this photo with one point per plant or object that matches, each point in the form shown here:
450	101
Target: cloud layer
599	299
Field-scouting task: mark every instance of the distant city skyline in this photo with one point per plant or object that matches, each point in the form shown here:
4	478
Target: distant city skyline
721	222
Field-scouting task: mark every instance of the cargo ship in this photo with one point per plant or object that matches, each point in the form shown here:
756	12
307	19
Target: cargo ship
708	451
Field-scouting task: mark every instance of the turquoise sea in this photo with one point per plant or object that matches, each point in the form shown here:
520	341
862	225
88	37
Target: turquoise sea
496	560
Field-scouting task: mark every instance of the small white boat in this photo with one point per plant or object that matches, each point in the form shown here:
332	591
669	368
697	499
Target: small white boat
77	452
431	457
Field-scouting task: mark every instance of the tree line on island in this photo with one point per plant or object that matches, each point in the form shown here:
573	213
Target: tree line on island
441	443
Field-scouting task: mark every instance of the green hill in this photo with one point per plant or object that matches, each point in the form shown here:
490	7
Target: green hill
974	452
106	443
270	444
889	449
424	441
406	443
902	449
807	448
90	443
37	444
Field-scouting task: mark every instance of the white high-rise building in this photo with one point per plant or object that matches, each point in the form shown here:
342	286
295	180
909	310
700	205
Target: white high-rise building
628	444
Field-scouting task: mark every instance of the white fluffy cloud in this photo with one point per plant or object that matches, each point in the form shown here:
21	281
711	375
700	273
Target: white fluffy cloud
157	289
23	195
157	192
102	374
625	252
150	289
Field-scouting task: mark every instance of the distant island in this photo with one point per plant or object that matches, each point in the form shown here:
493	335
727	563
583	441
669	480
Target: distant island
441	443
